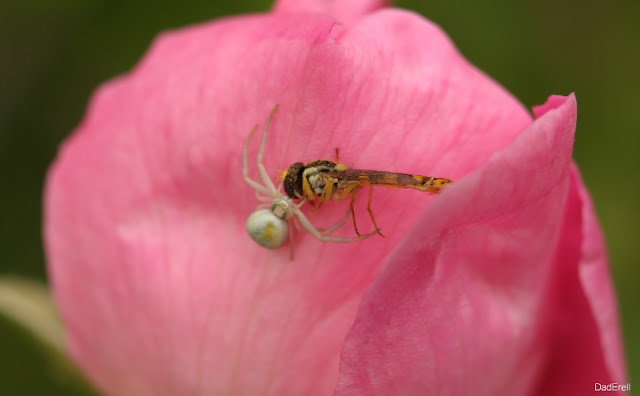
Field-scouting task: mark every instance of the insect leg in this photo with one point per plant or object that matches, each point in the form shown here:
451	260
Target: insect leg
371	212
320	202
327	194
350	188
353	212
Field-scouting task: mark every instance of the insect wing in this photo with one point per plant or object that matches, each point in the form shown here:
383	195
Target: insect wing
389	179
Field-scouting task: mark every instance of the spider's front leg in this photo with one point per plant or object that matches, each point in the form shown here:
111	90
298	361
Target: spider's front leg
259	188
264	176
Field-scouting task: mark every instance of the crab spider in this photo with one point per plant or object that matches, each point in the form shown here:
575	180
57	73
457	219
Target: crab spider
267	225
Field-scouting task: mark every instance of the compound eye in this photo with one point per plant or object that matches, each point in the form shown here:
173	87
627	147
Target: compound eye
293	181
267	229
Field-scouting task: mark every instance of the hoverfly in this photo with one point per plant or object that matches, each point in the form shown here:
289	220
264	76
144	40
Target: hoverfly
322	180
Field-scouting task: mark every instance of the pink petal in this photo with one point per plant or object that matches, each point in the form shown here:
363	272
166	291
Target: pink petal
468	303
346	12
582	319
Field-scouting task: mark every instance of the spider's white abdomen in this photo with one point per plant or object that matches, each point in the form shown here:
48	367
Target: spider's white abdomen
267	229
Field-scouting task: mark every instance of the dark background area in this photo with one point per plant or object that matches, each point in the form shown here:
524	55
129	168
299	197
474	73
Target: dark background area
54	54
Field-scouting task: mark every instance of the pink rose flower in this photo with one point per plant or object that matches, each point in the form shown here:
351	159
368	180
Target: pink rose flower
499	285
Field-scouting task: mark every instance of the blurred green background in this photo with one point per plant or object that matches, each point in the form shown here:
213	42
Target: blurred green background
54	54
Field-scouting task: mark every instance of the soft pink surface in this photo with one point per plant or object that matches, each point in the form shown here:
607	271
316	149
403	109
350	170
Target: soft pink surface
501	288
163	293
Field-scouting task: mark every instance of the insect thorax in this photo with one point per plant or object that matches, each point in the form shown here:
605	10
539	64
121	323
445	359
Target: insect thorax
312	172
315	177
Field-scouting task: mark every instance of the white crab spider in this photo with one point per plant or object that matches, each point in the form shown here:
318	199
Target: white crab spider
268	224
